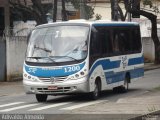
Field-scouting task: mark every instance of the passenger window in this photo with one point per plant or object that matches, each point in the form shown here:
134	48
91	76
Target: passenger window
137	40
124	41
95	45
112	41
104	41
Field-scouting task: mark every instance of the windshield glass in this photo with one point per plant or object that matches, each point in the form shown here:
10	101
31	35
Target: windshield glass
58	44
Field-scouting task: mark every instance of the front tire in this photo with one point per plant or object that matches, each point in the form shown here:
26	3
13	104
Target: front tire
41	97
96	93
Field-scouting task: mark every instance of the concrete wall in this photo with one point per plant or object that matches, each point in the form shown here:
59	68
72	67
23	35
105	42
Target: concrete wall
15	47
148	48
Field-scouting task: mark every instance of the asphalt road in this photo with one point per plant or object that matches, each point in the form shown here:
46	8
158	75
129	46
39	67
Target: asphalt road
27	104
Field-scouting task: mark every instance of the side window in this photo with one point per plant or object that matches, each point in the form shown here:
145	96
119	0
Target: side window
116	44
124	38
100	43
101	38
122	41
107	42
112	41
95	45
104	40
136	39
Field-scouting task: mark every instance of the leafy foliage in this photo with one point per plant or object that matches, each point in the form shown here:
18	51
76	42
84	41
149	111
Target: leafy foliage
35	9
148	2
89	11
98	16
153	18
151	4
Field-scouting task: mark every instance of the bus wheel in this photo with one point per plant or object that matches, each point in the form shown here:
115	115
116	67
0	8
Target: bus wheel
95	94
41	97
125	87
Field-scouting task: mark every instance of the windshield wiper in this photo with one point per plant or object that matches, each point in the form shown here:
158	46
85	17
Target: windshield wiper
42	58
66	56
72	58
43	49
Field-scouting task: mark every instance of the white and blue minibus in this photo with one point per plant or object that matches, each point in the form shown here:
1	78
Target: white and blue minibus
82	57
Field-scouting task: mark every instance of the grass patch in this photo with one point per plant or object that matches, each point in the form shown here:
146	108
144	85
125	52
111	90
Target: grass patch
152	109
156	88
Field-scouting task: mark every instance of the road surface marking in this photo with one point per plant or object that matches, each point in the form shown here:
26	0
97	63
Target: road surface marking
10	104
83	105
49	106
19	107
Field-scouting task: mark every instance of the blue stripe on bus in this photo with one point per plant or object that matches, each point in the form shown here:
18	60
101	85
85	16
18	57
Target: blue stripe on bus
135	61
137	73
113	77
106	65
115	24
53	72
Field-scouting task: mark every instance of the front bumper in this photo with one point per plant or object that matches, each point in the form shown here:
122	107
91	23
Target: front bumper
67	87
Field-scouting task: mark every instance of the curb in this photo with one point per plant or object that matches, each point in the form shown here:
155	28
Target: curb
151	68
150	116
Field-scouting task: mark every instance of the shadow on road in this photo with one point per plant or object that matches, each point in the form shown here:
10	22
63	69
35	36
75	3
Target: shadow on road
105	95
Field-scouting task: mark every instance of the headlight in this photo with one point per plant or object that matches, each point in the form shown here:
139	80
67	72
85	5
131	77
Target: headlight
77	76
30	78
82	73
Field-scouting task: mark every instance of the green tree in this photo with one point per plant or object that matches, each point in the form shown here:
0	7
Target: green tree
98	16
55	11
88	10
152	17
35	9
64	14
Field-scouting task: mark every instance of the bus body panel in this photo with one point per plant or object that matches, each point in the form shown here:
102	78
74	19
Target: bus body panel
112	70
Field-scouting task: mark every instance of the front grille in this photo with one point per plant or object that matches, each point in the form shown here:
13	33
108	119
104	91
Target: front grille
58	90
56	79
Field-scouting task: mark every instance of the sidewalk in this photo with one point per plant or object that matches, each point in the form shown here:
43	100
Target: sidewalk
150	66
11	88
139	105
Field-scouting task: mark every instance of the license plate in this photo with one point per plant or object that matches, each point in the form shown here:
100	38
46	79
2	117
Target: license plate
52	87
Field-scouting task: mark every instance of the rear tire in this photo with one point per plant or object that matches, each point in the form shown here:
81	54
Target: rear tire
41	97
125	87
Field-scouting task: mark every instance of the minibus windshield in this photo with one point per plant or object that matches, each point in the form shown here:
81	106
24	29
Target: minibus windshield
58	44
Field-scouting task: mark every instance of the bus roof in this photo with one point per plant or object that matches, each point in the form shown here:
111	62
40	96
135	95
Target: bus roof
90	23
